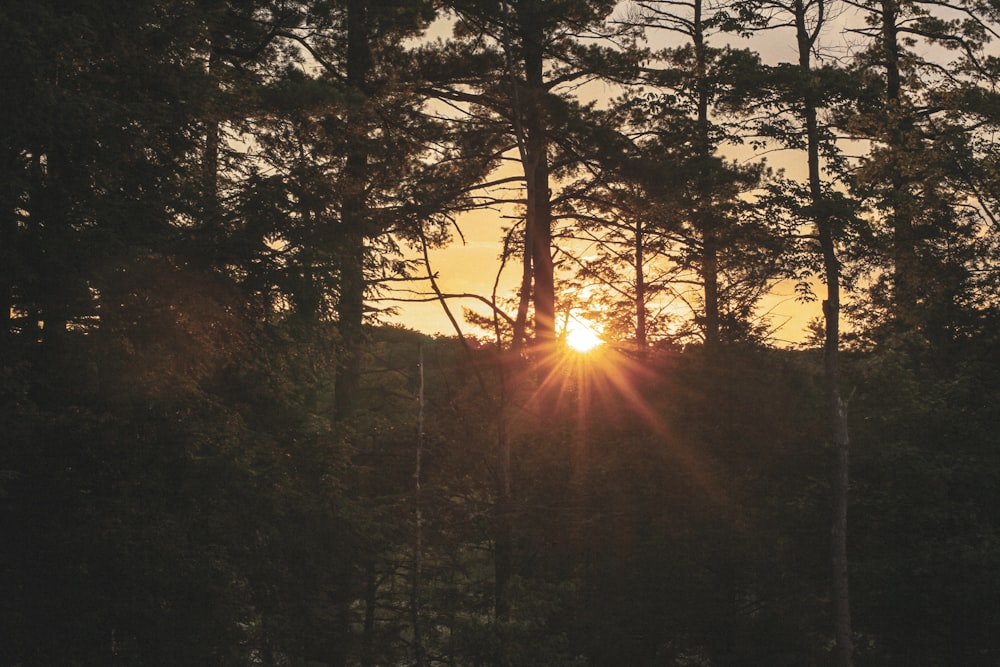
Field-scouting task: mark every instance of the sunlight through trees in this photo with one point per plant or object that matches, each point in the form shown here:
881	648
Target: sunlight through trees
217	448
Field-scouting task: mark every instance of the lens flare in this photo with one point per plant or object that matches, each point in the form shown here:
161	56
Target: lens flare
581	337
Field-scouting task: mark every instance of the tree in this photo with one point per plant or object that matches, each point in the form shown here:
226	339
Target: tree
536	56
645	259
623	275
531	56
922	117
809	90
699	94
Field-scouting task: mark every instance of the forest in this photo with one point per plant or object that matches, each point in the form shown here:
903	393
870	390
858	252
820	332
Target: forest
218	446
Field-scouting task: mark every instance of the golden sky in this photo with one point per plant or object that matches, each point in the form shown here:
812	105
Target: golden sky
471	266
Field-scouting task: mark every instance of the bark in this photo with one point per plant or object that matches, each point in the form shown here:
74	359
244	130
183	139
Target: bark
710	276
503	557
213	140
353	231
904	257
539	215
519	334
420	653
640	289
705	221
354	214
831	352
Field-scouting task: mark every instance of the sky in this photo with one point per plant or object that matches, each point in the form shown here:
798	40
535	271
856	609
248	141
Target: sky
471	265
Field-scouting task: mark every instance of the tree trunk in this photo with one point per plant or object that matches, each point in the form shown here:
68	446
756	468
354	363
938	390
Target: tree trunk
906	268
539	214
707	225
354	220
519	335
831	352
213	141
503	558
371	601
641	342
710	276
353	231
419	652
503	539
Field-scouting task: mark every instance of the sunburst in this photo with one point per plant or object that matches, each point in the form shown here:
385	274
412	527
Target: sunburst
603	381
582	336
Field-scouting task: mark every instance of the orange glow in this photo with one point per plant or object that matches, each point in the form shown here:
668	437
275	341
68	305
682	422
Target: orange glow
582	336
602	386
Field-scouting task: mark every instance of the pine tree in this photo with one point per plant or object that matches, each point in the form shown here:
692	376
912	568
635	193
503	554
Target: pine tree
809	91
533	56
924	118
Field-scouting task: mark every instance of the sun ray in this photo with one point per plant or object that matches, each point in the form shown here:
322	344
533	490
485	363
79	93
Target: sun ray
614	380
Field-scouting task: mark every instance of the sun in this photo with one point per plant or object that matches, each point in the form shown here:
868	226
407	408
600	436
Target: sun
581	336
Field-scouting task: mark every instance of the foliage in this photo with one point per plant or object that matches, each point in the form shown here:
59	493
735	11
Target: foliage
208	441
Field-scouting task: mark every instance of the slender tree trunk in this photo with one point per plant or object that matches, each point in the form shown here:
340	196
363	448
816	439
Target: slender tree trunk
707	225
509	371
213	142
831	353
904	257
354	219
519	334
419	651
210	206
503	539
351	255
371	601
539	215
639	262
503	548
531	126
710	276
841	483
